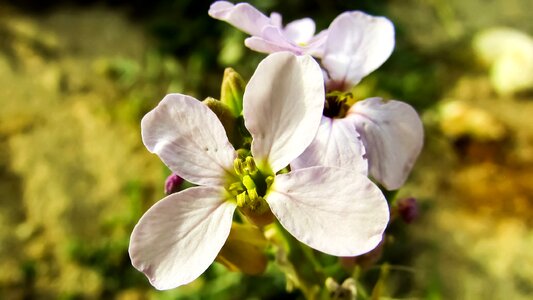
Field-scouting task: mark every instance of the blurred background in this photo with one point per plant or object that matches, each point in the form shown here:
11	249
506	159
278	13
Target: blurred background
76	77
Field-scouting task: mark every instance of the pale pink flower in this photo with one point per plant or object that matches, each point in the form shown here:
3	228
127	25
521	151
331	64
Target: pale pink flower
336	211
267	33
354	45
388	133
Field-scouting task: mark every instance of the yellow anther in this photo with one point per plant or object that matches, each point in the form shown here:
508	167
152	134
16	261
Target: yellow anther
248	182
242	199
236	188
269	180
238	167
250	165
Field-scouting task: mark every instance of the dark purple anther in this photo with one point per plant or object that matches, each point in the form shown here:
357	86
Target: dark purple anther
173	184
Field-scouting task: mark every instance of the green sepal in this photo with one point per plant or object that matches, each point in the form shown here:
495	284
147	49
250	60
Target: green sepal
226	117
232	91
244	250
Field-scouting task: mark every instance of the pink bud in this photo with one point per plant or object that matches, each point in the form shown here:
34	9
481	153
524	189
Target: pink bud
173	184
408	209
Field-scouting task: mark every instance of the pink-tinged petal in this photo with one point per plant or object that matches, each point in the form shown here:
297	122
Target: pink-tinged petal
180	236
336	211
300	31
272	40
243	16
336	144
265	46
393	136
357	44
189	139
282	108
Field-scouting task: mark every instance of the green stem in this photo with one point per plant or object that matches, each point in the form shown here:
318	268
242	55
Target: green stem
306	268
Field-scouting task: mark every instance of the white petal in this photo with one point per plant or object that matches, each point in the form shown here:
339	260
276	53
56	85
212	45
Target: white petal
316	45
282	108
180	236
243	16
336	211
276	19
357	44
393	136
300	31
337	144
189	139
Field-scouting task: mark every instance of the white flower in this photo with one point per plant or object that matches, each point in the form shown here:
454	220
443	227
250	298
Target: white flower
268	34
388	133
354	45
333	210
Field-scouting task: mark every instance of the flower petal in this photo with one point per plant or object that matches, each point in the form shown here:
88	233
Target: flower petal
357	44
189	139
179	237
393	136
272	40
300	31
243	16
282	108
316	45
276	19
336	144
336	211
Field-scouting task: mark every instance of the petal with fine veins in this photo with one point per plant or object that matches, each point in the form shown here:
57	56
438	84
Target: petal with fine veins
282	108
189	139
336	144
333	210
243	16
393	136
357	44
180	236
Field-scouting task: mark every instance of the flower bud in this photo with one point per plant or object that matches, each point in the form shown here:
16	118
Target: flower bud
226	117
346	291
173	184
408	209
232	91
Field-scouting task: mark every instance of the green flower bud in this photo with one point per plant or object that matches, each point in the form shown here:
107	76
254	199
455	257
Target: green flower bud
232	91
226	117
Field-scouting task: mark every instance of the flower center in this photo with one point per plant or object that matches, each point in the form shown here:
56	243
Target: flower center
337	104
249	191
